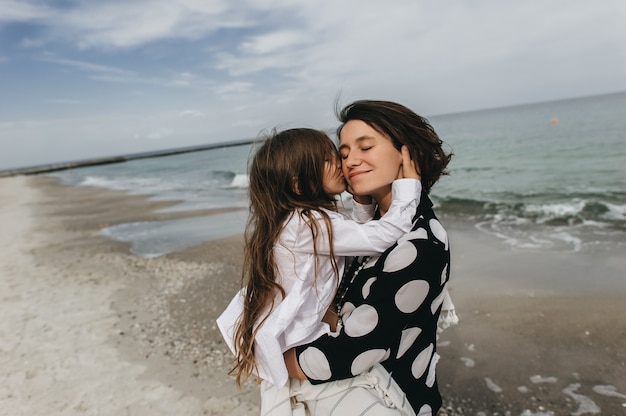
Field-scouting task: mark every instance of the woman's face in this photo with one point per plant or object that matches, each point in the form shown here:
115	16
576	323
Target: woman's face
333	182
370	162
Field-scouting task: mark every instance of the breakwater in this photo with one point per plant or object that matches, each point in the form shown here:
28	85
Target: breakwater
52	167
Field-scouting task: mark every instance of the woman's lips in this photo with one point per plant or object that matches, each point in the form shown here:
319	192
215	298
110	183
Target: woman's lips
355	174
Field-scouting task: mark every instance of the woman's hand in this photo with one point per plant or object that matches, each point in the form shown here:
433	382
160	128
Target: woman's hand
409	168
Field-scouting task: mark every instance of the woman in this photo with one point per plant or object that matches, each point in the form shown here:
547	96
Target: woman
388	306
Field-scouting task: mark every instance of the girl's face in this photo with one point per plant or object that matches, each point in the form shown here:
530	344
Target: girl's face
370	162
333	182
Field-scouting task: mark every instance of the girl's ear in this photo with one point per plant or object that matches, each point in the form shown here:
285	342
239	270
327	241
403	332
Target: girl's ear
294	185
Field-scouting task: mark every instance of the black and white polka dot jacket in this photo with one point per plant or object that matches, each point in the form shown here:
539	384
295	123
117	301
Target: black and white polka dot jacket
389	315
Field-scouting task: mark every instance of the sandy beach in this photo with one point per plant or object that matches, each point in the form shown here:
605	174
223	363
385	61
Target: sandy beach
88	328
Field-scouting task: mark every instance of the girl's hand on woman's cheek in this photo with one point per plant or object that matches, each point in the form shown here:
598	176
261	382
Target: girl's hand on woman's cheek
409	168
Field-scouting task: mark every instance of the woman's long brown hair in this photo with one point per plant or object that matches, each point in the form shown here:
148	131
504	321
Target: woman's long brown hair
286	175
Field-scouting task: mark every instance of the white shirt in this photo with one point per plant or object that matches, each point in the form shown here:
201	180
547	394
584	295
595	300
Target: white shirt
297	319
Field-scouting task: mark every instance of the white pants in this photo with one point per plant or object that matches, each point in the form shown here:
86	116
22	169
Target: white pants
373	393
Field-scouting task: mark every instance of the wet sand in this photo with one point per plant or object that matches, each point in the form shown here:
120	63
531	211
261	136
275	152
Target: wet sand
88	328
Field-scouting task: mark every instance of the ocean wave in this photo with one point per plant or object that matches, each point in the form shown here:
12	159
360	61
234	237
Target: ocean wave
136	184
617	212
523	236
555	210
239	181
574	211
228	179
567	224
222	174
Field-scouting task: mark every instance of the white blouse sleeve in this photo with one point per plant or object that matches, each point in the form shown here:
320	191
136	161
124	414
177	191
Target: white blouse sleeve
363	213
353	239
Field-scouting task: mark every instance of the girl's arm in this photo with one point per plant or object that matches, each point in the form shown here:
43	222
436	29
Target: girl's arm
363	211
373	237
353	239
293	368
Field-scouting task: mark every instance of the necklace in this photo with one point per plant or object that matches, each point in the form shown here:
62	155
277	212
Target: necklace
354	269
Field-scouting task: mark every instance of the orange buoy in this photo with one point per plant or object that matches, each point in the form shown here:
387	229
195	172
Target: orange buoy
554	120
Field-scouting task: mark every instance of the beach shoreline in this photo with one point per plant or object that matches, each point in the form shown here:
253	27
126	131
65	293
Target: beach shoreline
90	328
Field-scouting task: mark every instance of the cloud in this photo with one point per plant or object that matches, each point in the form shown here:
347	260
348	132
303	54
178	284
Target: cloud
130	24
233	88
158	135
19	11
86	66
192	114
123	24
274	41
111	74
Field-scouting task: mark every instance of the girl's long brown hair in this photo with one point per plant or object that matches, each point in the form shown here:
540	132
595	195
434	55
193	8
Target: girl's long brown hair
286	174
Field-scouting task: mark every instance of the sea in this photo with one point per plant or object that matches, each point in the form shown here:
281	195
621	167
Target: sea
544	176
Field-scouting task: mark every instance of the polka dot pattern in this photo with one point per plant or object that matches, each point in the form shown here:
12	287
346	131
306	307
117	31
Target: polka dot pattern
365	291
411	295
361	321
439	232
420	364
407	339
346	310
314	364
402	256
431	377
425	410
366	360
437	301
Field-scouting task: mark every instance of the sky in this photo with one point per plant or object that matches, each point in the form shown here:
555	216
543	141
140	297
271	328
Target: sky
81	79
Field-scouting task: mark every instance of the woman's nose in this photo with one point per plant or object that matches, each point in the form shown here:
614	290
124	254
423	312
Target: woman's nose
350	161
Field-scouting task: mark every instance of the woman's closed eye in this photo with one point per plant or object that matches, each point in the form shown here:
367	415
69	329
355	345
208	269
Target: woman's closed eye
362	149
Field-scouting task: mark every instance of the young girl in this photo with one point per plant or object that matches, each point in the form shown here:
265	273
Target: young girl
295	240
